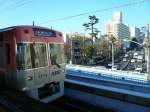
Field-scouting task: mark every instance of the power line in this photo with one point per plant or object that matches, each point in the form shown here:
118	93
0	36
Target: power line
9	4
14	5
96	11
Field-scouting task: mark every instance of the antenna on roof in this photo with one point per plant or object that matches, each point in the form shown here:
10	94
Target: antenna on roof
33	23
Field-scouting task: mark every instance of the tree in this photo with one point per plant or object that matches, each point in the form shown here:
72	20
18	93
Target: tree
113	39
94	32
77	38
132	44
88	51
90	26
105	44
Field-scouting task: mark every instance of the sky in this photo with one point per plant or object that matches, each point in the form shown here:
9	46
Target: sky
42	12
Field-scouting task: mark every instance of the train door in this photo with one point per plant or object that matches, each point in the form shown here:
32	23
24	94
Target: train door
41	69
1	52
2	77
9	57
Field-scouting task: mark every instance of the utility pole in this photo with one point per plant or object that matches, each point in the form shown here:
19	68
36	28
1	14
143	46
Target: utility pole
33	23
113	40
71	48
148	52
112	66
71	52
148	30
147	49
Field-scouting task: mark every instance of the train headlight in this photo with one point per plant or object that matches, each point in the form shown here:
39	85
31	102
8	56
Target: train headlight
63	70
29	78
25	89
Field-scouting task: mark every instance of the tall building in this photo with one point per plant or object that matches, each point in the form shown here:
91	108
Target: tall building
138	34
117	16
135	32
117	28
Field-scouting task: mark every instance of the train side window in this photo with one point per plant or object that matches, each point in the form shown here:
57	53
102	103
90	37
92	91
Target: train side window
8	54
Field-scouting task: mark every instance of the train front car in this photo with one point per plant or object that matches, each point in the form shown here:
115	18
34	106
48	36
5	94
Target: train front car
40	68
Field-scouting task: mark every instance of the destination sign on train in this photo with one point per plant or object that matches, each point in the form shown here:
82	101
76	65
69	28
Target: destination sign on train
44	32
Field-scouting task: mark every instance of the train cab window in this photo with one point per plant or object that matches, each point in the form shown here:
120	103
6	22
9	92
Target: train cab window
57	54
23	56
40	55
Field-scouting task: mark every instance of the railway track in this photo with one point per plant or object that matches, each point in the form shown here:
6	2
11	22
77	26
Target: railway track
67	107
68	104
16	101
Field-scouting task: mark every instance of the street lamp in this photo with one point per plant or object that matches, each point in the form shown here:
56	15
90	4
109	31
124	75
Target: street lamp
71	48
146	48
112	51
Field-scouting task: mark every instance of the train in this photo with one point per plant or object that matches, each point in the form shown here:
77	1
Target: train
32	60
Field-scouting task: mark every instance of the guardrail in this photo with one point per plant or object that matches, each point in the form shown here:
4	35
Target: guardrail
116	74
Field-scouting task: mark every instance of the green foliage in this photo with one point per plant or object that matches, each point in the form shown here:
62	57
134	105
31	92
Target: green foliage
113	39
132	44
105	44
88	51
90	26
77	38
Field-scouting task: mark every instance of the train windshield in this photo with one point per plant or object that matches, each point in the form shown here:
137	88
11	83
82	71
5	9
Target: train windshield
23	56
57	54
31	55
39	55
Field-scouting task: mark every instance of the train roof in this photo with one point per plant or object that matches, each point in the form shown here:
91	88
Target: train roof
24	26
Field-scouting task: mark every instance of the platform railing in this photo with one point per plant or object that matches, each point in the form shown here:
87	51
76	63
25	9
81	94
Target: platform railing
108	73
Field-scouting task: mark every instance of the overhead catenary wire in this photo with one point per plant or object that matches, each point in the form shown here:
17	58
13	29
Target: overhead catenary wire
96	11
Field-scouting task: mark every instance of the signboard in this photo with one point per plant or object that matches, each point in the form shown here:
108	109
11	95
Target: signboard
44	32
